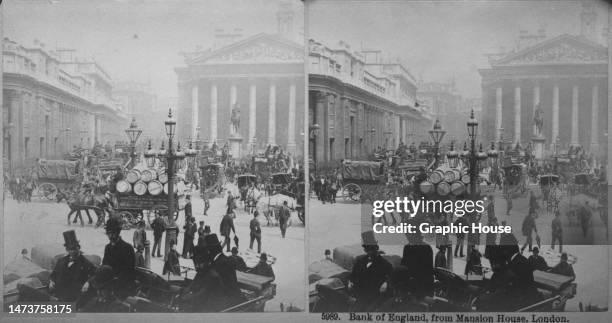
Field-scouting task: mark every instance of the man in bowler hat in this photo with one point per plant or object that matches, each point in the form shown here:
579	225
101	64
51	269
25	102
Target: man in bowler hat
71	273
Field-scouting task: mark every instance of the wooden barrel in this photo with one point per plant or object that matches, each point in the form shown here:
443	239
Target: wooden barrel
155	187
426	187
449	176
162	176
443	188
133	176
437	176
465	177
148	175
457	188
166	188
140	188
123	187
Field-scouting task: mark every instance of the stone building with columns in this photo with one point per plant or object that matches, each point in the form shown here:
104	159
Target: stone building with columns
262	76
360	103
565	76
53	101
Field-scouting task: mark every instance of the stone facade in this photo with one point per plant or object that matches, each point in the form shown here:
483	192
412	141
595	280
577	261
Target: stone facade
53	102
360	104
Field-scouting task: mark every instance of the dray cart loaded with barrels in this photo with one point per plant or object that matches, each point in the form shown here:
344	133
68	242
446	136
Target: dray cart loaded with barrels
142	194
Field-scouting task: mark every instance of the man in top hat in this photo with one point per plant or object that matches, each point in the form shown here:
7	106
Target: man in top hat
190	231
158	226
417	257
120	256
223	266
104	281
370	274
70	275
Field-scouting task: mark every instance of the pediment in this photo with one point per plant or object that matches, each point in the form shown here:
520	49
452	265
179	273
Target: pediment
261	48
564	49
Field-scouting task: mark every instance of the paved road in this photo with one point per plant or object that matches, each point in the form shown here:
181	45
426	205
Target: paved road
41	222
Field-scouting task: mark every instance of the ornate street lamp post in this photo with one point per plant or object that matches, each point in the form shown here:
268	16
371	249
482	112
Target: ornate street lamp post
475	158
313	133
133	133
437	134
174	160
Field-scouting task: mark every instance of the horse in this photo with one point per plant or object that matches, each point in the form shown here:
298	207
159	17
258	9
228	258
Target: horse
78	202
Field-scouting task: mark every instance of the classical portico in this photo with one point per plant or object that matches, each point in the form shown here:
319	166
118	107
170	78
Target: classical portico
260	76
561	75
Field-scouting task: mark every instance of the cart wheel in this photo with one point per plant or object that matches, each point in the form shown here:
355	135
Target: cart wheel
47	190
127	219
351	191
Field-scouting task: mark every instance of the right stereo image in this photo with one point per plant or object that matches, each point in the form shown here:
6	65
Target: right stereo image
458	156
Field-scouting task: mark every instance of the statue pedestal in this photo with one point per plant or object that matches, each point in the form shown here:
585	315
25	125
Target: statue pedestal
292	148
538	147
235	146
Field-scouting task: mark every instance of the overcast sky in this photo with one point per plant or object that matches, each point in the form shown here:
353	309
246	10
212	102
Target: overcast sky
442	39
137	39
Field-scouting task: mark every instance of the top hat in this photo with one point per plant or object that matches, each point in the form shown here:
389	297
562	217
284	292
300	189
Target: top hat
263	257
368	239
207	228
212	240
70	240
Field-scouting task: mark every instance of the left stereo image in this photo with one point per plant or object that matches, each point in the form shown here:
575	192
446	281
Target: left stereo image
153	155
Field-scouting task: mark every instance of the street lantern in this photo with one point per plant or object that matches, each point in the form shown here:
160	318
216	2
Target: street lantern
170	124
133	132
191	153
150	156
436	135
465	153
314	130
472	125
481	156
493	154
452	156
180	157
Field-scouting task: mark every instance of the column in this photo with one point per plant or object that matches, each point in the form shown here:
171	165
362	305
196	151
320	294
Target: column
555	115
272	115
195	111
319	118
574	141
252	114
517	113
536	101
291	127
498	111
595	118
213	114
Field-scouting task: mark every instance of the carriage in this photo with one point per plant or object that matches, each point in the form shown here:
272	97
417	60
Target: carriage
551	194
280	182
515	178
212	177
358	175
56	175
582	183
142	194
153	293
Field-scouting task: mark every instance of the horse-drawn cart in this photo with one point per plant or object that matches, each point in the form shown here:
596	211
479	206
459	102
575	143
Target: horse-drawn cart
55	175
143	194
357	174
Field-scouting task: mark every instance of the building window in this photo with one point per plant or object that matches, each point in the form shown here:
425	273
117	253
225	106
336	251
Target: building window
331	149
41	147
26	147
347	148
